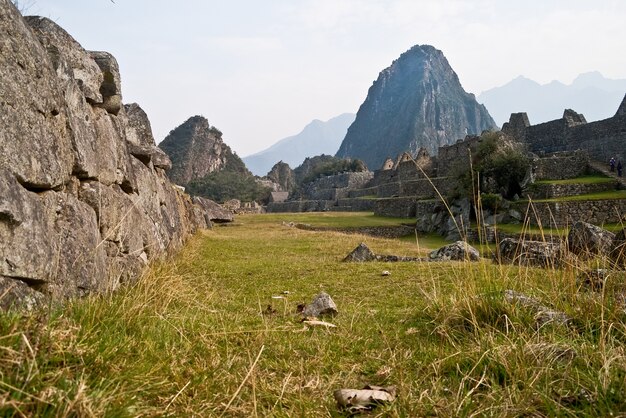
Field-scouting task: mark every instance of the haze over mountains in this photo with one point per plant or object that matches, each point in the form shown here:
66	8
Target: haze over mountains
416	102
591	94
316	138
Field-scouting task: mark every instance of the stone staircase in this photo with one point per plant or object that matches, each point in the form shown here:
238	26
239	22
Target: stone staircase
605	169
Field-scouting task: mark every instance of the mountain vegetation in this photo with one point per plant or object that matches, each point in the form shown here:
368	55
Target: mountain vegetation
499	166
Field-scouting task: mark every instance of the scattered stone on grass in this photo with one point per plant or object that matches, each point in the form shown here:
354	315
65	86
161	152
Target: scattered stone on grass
543	314
457	251
587	240
386	273
397	258
361	400
533	253
360	254
322	305
593	279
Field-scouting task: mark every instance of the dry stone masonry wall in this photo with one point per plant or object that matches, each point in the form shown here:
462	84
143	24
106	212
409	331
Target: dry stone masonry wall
84	200
602	139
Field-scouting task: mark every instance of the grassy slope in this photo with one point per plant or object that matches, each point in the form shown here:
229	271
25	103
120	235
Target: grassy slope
590	179
182	341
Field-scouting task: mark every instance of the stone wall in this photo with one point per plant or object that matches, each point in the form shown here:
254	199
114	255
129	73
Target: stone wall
339	205
550	191
368	191
561	214
84	200
399	207
561	165
356	205
451	156
337	186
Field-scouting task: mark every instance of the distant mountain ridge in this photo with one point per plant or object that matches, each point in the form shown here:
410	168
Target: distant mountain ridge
591	94
416	102
316	138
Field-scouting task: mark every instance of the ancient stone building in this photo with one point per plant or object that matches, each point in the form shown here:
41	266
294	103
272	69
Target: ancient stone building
601	139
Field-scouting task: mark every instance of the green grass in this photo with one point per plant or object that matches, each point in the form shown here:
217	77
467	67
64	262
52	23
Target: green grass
185	338
429	241
591	179
335	220
608	195
531	229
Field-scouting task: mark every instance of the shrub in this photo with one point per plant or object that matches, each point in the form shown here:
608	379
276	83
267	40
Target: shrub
225	185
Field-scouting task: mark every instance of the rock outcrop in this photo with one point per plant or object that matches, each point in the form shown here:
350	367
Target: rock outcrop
84	200
282	175
417	102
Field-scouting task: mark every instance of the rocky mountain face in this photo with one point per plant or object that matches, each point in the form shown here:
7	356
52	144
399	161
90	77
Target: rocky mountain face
316	138
591	94
84	200
197	149
417	102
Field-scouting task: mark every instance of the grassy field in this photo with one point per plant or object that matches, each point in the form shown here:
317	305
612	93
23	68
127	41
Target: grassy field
201	335
333	219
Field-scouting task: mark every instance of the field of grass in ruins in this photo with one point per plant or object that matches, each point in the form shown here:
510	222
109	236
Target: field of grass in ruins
201	335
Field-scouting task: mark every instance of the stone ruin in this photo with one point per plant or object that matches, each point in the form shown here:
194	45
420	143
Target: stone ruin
602	139
414	186
85	203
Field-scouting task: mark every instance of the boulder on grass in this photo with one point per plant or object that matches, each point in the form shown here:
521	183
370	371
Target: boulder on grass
360	254
532	253
214	211
457	251
322	304
587	240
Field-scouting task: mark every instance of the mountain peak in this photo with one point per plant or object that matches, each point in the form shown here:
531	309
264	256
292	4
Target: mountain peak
416	102
197	149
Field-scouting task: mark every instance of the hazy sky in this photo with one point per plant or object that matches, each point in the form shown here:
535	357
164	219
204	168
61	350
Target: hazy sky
260	70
